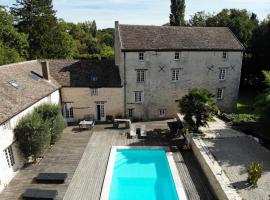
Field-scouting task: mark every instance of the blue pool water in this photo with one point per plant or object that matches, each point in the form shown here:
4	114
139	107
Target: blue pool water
142	174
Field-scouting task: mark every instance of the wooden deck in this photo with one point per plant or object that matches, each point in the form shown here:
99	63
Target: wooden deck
85	161
63	157
88	179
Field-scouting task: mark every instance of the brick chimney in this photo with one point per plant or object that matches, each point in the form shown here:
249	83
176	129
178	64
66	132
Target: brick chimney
45	70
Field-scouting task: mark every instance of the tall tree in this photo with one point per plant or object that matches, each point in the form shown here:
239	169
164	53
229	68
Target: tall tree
47	37
13	45
177	16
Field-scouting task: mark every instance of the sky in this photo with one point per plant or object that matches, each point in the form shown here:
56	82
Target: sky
151	12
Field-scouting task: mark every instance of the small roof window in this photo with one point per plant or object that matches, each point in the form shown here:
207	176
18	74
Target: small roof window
15	84
35	76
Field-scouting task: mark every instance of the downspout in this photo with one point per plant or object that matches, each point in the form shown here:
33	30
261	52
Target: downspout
125	90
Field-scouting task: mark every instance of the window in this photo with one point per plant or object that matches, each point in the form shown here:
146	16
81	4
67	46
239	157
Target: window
130	112
162	112
219	93
175	74
68	110
94	78
35	76
138	96
7	125
222	73
224	55
176	56
15	84
9	156
141	56
140	76
94	91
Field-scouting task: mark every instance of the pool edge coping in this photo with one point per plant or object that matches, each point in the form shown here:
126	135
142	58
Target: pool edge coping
105	192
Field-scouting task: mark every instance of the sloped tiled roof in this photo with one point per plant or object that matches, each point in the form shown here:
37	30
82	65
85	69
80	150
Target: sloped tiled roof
138	37
78	73
12	100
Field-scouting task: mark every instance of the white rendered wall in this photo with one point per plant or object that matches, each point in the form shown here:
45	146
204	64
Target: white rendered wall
7	138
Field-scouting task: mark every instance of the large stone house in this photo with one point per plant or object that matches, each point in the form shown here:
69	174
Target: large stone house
23	86
160	64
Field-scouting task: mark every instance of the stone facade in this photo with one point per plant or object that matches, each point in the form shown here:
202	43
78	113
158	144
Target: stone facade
85	103
195	69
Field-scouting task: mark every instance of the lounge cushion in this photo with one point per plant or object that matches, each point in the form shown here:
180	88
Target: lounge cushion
37	194
51	177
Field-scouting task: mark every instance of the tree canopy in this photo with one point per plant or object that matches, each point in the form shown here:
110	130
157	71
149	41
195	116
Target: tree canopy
197	107
13	44
177	16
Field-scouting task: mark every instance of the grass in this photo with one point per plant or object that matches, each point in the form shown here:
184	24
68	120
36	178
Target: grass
248	117
245	103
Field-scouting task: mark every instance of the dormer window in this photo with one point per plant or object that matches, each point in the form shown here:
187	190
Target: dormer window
15	84
94	78
141	56
177	56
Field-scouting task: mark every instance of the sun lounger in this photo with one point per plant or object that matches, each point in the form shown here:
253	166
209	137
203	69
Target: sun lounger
51	178
37	194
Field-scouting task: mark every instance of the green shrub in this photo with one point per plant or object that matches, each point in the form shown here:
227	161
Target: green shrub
57	129
33	135
254	173
198	106
51	114
240	118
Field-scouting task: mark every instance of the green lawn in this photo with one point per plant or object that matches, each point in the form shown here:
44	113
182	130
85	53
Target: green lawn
245	103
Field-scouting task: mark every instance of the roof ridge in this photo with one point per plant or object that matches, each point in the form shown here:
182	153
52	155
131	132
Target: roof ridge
160	26
18	63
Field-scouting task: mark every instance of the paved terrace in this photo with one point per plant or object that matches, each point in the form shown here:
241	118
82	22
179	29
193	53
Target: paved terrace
234	151
87	181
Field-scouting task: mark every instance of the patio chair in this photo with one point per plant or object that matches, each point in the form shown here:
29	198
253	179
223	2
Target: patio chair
56	178
143	131
132	132
39	194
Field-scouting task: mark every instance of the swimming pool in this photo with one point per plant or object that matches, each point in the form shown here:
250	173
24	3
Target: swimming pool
142	173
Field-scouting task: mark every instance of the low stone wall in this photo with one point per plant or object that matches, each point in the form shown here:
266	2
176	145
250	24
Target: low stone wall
216	176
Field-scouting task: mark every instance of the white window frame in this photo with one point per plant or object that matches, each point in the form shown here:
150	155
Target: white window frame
162	112
141	56
222	74
138	96
220	92
177	55
94	91
140	76
68	109
175	74
9	156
